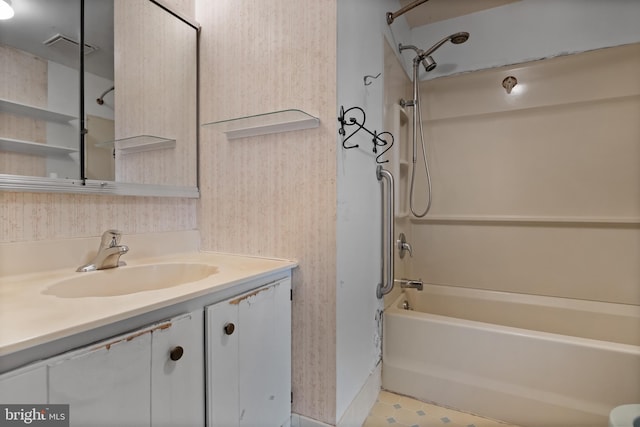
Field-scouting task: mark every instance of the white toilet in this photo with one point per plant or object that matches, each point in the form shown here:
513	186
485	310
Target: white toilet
625	416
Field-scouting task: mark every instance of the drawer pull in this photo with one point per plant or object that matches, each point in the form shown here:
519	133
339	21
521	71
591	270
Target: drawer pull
229	328
176	353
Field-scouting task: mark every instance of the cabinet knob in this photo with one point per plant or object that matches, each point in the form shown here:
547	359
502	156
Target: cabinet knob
176	353
229	328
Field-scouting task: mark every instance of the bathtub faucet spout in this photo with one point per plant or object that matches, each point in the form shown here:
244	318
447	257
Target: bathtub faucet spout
411	284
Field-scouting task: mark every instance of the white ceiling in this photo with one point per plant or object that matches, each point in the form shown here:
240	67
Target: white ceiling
439	10
37	20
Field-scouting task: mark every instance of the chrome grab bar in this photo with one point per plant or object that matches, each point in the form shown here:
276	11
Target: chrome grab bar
383	288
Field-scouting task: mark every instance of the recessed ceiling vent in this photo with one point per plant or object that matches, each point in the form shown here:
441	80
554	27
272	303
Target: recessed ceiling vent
67	46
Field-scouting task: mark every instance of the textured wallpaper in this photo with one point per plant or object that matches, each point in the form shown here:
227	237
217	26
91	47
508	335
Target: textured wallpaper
36	216
275	195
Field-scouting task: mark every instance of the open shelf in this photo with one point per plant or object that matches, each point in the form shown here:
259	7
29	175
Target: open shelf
263	124
33	148
138	144
7	106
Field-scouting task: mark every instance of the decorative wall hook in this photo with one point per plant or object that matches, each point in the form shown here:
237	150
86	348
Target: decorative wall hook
367	82
383	139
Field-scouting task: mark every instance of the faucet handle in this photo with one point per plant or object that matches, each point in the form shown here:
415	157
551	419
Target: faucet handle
404	246
110	238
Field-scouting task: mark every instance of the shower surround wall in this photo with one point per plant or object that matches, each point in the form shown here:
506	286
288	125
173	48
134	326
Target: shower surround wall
536	195
537	192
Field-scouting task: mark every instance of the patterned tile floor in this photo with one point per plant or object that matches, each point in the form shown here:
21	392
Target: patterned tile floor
393	410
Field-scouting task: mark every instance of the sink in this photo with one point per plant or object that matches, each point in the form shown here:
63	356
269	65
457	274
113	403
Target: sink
129	280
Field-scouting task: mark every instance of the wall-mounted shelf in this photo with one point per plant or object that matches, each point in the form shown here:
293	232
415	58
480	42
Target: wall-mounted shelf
138	144
263	124
7	106
33	148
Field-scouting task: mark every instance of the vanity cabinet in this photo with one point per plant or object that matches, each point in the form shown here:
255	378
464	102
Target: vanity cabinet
152	376
110	379
249	358
226	362
24	385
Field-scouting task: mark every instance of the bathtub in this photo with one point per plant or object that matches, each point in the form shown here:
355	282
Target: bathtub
530	360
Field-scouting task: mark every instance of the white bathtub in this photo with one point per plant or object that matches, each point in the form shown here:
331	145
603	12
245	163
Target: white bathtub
529	360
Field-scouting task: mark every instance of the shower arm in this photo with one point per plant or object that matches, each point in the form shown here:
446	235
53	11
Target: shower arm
392	16
100	100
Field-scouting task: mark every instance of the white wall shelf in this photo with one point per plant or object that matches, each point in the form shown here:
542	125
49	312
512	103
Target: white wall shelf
12	107
138	144
33	148
263	124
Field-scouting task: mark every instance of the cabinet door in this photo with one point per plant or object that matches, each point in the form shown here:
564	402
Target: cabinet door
249	368
265	356
24	386
109	384
177	372
222	365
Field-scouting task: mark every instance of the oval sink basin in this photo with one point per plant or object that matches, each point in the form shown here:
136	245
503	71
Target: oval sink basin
129	280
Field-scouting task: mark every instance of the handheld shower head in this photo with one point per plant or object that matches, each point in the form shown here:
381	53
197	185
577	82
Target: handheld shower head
425	58
459	38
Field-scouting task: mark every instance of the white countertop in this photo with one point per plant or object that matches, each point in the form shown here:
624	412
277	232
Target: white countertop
29	317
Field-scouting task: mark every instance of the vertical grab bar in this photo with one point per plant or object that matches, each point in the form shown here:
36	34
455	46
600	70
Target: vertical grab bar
385	288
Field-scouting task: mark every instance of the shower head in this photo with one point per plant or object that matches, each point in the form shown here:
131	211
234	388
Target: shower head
425	58
428	63
457	38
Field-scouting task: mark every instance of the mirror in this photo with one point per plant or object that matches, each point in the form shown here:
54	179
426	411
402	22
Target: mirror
39	91
139	90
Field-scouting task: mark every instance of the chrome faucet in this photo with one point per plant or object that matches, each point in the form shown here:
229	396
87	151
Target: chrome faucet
109	252
408	283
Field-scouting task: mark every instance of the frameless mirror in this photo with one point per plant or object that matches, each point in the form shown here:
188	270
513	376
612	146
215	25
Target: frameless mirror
138	92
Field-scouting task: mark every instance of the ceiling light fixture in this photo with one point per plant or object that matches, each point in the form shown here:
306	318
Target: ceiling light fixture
6	11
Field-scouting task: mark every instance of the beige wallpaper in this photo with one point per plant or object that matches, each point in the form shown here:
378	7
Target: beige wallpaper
35	216
276	195
538	191
184	7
